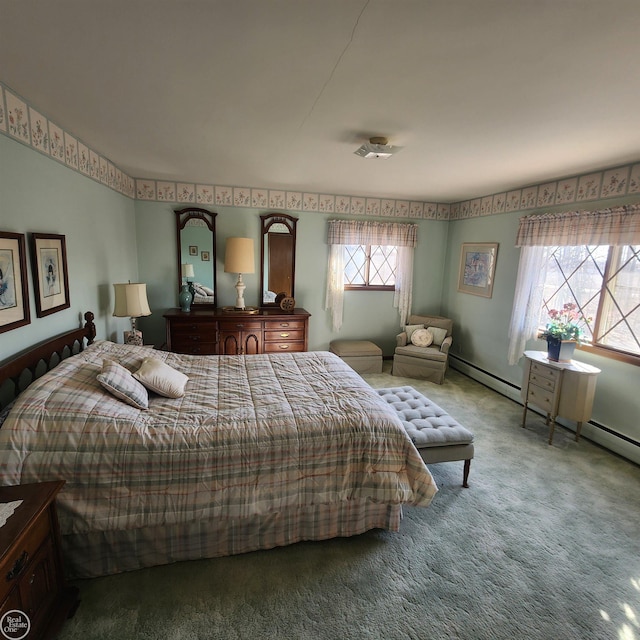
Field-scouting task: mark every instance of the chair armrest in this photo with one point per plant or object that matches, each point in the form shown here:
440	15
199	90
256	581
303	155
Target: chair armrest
401	339
446	344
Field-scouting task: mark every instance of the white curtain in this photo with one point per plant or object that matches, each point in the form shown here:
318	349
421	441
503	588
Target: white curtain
341	232
527	303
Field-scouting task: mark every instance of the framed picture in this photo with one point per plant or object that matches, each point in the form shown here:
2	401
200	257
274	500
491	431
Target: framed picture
193	250
477	268
50	278
205	256
14	290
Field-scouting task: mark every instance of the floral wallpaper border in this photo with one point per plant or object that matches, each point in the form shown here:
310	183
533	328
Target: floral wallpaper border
24	123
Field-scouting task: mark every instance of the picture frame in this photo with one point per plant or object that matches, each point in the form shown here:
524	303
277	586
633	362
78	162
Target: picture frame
205	256
193	250
477	268
14	288
50	275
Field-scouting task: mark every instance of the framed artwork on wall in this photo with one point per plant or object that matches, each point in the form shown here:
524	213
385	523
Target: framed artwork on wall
14	290
205	256
50	277
193	250
477	268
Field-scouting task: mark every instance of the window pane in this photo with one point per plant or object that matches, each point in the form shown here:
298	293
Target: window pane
620	325
575	274
354	264
382	269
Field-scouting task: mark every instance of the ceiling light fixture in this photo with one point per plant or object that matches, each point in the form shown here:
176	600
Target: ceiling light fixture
377	148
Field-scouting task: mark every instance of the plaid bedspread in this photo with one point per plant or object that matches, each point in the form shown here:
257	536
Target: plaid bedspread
252	435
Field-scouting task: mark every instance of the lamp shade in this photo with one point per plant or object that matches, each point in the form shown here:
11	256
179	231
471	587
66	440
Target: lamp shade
238	256
131	300
187	270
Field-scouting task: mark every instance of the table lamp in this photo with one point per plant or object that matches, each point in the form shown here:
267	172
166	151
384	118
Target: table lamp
131	301
238	258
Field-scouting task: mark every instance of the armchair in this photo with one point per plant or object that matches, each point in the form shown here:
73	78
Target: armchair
426	363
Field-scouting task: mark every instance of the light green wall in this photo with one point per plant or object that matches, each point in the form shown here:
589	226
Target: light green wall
482	328
368	315
37	194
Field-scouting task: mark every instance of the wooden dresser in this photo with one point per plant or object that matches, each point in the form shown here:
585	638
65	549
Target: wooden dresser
32	584
218	332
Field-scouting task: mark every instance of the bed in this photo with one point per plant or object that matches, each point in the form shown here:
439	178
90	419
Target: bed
260	451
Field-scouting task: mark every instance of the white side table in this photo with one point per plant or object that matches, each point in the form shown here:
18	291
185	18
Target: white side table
560	388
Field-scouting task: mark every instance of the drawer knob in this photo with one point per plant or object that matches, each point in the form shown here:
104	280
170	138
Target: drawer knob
284	335
283	346
284	324
18	566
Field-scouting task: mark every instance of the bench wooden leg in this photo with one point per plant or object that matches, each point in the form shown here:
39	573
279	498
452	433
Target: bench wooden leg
465	474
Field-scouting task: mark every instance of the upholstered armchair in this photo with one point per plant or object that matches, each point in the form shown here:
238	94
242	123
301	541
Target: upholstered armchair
424	355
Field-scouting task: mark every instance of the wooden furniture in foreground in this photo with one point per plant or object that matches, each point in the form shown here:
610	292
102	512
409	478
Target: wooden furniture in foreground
559	388
218	332
31	563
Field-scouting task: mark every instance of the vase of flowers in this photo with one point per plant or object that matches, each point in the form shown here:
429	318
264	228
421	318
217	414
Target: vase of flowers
563	332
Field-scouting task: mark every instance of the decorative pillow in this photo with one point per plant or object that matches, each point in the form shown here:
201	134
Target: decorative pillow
158	376
410	328
438	335
421	337
119	382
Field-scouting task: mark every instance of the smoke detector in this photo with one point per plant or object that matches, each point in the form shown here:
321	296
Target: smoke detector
377	148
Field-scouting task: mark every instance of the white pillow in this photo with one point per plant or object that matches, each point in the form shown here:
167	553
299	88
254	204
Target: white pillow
421	338
119	382
410	328
158	376
438	335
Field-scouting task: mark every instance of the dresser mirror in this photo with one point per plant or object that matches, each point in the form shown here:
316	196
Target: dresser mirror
196	237
278	257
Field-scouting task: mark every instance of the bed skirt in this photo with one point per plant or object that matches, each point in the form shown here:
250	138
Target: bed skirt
100	553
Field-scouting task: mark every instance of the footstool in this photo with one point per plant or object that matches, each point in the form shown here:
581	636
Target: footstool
362	355
437	436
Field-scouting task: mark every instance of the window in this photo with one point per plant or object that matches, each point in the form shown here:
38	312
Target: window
371	267
588	258
604	282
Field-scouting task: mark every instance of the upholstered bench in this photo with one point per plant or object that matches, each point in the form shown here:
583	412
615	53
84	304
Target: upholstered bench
437	436
361	355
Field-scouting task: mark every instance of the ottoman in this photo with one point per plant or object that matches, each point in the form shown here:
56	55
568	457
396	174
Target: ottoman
361	355
437	436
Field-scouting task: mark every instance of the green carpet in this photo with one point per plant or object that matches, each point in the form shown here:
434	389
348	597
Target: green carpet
545	544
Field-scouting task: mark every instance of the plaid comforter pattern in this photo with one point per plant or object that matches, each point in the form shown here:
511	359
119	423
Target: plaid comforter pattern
252	435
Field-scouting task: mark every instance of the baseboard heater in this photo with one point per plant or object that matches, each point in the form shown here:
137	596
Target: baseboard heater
516	398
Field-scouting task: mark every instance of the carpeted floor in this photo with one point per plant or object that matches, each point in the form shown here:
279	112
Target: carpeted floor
545	544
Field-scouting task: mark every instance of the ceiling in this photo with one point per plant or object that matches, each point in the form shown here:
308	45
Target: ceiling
483	95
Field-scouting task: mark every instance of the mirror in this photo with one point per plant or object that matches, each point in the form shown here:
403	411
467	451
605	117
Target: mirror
278	256
196	236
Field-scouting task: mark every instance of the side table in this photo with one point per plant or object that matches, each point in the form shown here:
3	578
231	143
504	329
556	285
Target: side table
560	388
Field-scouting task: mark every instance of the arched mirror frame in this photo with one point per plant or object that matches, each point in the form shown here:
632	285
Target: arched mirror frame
268	220
183	216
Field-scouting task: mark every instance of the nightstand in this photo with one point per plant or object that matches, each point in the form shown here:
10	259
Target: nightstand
31	571
562	389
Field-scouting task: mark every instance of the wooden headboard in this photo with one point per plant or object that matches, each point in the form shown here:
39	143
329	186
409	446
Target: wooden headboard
20	371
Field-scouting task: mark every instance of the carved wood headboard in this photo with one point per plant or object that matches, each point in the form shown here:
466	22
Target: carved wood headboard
17	373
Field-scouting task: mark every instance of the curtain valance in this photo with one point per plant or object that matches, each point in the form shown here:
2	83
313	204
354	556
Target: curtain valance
615	226
369	232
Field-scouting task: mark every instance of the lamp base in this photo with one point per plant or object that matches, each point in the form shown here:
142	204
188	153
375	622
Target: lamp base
133	337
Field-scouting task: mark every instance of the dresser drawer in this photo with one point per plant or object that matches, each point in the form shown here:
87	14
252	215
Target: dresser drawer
286	335
544	371
281	347
541	397
192	328
540	381
277	325
194	347
241	325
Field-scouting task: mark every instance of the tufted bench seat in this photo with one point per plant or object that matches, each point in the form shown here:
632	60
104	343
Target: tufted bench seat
437	436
